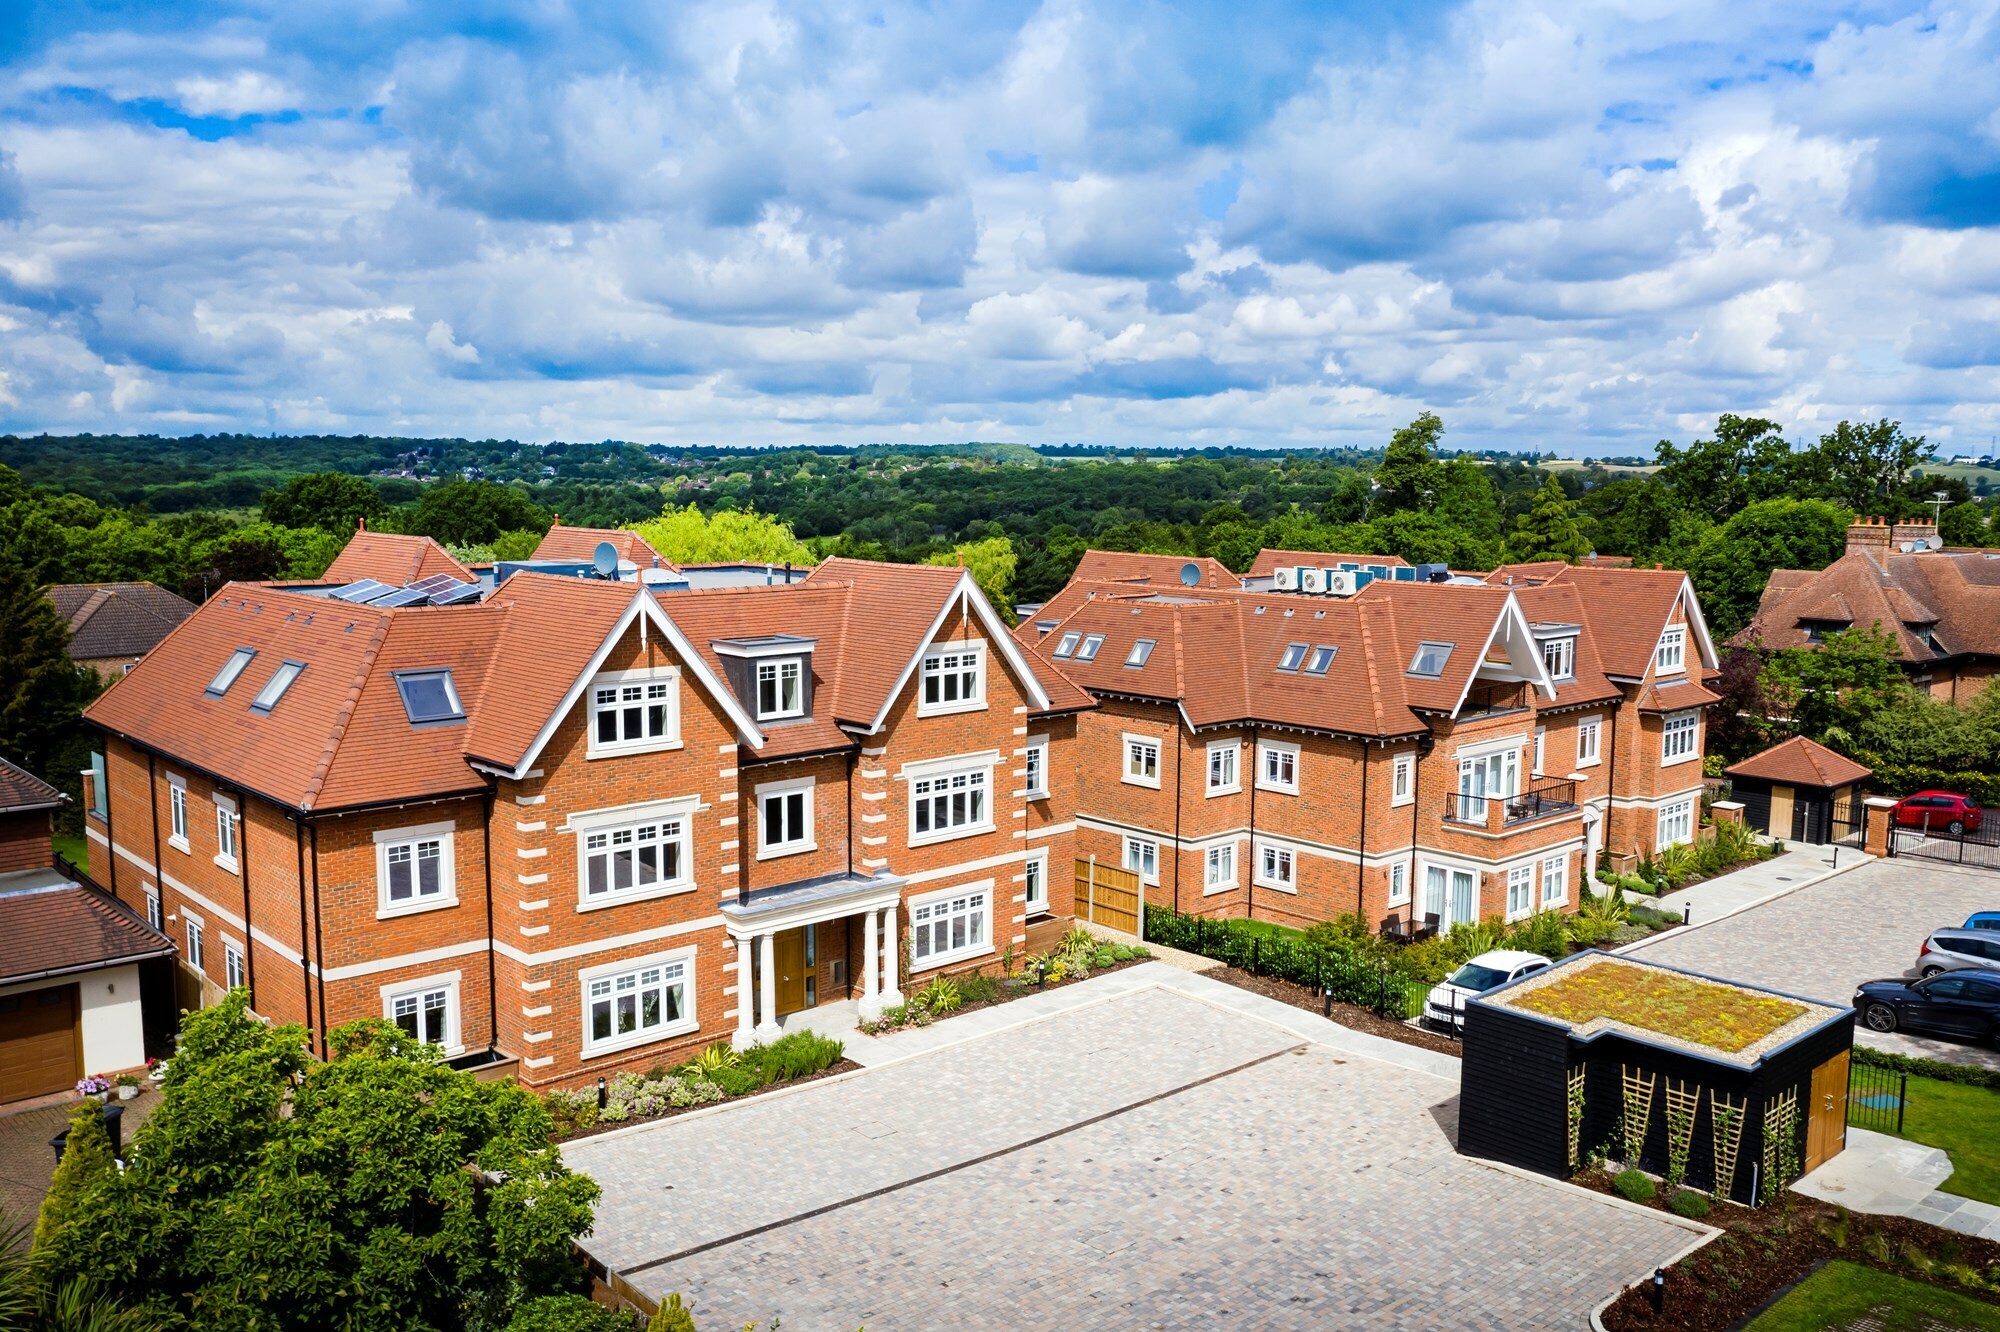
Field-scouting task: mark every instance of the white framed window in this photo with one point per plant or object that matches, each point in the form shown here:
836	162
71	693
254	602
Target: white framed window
177	812
194	940
950	799
954	679
424	1015
1403	779
1670	658
232	964
1222	774
153	906
633	712
1278	766
781	690
1589	737
1676	824
1680	737
225	833
1035	768
1035	883
633	854
1142	857
1276	868
1541	745
1219	868
1089	648
1520	891
785	818
1559	656
1066	645
632	1003
1142	761
1399	884
1555	881
414	870
1142	649
952	925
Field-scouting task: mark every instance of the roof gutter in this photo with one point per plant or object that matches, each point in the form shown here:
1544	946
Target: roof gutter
26	976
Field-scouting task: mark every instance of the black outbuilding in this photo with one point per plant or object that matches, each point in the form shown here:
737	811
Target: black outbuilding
1801	791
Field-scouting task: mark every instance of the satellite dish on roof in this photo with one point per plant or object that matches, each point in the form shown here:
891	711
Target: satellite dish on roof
605	559
1190	575
1907	546
1935	543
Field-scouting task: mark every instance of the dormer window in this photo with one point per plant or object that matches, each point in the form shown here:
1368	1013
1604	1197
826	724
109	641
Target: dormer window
1559	656
1670	658
780	688
954	679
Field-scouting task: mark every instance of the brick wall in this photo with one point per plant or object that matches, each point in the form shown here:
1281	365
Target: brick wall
26	841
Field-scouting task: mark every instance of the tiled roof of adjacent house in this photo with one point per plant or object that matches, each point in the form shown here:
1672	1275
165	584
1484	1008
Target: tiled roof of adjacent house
1118	566
393	558
116	619
52	928
1269	561
1801	762
580	543
21	790
1954	595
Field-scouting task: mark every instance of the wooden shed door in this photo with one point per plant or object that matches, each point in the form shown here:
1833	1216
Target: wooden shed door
38	1043
1826	1131
1107	895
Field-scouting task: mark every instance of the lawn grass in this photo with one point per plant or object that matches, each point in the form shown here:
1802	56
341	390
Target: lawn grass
1965	1122
1845	1296
75	848
1267	929
1718	1016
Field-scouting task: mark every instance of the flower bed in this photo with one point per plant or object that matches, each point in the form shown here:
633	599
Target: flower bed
1721	1017
1078	955
716	1074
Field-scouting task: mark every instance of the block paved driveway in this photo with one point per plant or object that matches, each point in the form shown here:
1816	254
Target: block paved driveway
1821	941
1148	1161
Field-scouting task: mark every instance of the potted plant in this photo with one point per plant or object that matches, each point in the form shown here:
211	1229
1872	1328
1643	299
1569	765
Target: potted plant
95	1086
128	1086
156	1069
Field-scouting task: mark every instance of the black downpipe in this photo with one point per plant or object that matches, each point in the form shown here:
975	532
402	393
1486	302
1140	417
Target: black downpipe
1249	872
1180	756
319	943
152	799
305	967
1610	791
492	968
243	870
1361	866
1424	749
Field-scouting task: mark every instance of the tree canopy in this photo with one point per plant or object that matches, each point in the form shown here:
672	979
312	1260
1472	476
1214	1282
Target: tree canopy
331	501
686	535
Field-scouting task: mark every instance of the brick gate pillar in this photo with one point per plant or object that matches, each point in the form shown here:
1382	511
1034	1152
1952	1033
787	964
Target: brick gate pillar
1876	842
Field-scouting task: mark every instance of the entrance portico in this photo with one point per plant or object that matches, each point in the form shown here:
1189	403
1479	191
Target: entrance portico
756	921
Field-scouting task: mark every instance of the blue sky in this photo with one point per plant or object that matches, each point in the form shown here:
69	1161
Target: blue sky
1578	228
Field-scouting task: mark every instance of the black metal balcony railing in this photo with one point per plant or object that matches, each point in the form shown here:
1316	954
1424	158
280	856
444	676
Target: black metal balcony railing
1541	801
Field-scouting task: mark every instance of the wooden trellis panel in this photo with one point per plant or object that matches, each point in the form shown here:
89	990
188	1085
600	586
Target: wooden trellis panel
1725	1122
1577	1077
1639	1087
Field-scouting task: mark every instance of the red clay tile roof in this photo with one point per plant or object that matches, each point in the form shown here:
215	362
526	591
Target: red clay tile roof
1269	561
116	619
1956	596
1675	694
69	928
393	558
580	543
1801	762
1118	566
21	790
1627	610
1562	603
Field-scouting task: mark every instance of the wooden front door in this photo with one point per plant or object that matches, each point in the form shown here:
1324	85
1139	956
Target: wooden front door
794	967
1826	1129
39	1043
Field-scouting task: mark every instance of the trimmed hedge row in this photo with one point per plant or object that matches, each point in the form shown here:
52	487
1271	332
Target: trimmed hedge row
1935	1069
1905	778
1353	979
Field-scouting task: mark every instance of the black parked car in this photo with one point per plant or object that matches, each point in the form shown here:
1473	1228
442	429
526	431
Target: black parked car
1962	1004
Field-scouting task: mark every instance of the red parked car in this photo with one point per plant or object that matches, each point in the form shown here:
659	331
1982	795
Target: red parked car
1954	813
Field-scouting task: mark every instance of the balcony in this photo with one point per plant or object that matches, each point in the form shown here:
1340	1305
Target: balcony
1543	800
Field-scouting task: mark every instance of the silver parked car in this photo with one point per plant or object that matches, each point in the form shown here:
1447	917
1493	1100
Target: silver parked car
1956	950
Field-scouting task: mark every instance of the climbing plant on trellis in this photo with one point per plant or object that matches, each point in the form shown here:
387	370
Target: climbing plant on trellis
1781	1142
1576	1080
1638	1110
1725	1122
1683	1104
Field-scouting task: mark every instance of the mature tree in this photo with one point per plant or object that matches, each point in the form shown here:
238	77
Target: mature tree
1917	730
1713	477
1408	473
1548	530
1737	729
1965	525
42	692
1869	463
1467	500
991	563
1430	538
1826	692
334	501
688	536
378	1190
1629	516
466	513
1730	564
87	1163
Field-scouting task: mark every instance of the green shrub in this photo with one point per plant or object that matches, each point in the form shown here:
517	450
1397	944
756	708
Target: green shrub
672	1316
1545	932
797	1055
976	987
1635	1184
939	995
572	1111
570	1313
737	1080
1937	1069
1104	957
1690	1204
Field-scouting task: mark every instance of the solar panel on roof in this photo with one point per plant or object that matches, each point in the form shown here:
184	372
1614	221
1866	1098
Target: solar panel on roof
402	596
364	591
452	596
436	583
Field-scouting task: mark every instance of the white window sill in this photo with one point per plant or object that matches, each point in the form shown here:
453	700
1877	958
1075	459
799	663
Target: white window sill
1676	762
1399	901
950	709
229	863
1589	763
638	1038
1521	914
787	849
1151	784
1037	795
1549	902
635	895
936	960
794	715
1275	886
626	751
1278	790
1215	791
949	835
1037	910
1211	889
1396	803
415	908
180	844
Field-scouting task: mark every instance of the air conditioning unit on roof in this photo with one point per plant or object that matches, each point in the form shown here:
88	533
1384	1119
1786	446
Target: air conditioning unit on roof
1344	582
1287	579
1312	580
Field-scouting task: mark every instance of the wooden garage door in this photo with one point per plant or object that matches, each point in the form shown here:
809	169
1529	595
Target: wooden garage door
38	1040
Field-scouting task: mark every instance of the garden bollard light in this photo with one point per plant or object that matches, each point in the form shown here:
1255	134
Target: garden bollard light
603	1094
1687	913
1659	1289
1326	1007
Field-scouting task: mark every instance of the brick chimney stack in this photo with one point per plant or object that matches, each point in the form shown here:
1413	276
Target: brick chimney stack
1915	529
1870	535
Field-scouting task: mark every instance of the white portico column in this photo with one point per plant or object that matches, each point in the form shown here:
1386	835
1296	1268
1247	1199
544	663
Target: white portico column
871	967
742	1039
892	993
767	988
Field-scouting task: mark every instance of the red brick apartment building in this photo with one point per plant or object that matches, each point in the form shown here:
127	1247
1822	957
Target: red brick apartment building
1394	741
582	823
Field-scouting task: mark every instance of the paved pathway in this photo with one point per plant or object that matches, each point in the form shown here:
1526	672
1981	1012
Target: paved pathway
1759	882
1146	1158
27	1163
1890	1176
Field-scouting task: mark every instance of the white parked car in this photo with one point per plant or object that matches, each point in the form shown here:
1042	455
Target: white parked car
1445	1006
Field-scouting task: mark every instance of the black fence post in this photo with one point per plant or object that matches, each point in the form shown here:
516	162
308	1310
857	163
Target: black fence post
1902	1099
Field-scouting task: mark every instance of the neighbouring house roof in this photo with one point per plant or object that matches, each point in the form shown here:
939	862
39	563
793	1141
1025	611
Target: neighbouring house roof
1118	566
1801	762
393	558
50	926
21	791
116	619
580	543
1953	594
1269	561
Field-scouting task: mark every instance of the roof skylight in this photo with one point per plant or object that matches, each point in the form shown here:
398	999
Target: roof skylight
275	687
1091	642
230	670
1067	645
1294	654
1141	649
1322	658
1431	658
429	696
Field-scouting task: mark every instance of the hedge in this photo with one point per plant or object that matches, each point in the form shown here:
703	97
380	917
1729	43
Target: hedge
1935	1069
1905	778
1353	979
